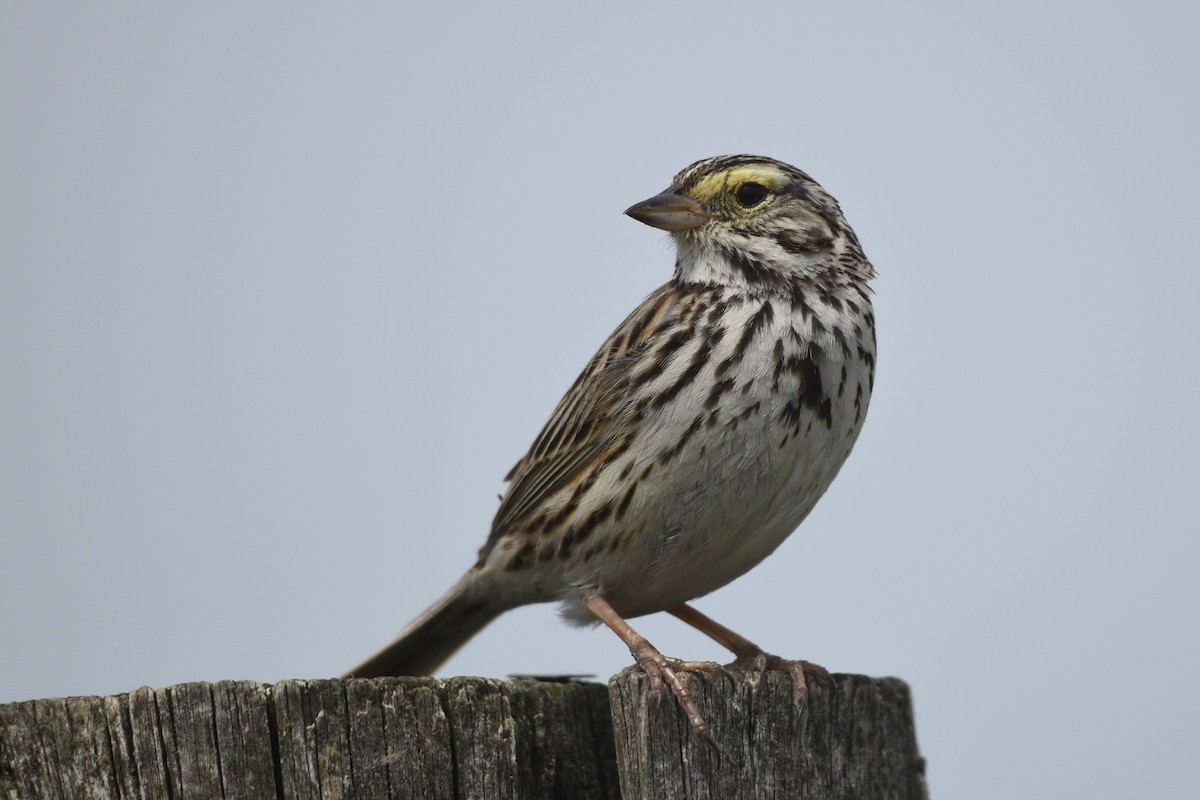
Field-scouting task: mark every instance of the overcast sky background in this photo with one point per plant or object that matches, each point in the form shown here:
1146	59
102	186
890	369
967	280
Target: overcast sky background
284	293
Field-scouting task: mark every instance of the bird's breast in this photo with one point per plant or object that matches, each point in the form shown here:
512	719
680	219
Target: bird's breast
763	404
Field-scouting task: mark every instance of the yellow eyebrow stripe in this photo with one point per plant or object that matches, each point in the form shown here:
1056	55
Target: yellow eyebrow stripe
713	185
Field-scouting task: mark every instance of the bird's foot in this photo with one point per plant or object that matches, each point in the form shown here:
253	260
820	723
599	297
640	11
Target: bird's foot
663	671
660	669
753	659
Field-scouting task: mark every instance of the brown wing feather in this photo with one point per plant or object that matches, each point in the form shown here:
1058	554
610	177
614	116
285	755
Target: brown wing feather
590	418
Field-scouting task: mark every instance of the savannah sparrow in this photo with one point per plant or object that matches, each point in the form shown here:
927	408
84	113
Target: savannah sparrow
699	436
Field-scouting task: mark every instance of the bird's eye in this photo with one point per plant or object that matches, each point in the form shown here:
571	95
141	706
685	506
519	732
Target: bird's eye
750	194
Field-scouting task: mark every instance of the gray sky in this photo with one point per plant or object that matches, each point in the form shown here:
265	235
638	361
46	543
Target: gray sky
283	294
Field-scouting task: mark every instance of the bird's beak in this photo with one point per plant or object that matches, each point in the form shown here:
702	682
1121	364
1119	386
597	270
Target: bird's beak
669	211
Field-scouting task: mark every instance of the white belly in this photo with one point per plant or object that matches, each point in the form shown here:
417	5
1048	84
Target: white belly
713	507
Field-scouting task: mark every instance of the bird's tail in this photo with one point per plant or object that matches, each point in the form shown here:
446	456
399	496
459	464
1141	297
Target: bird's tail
434	636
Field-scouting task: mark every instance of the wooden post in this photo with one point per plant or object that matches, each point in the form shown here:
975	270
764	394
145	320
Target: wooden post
461	738
854	741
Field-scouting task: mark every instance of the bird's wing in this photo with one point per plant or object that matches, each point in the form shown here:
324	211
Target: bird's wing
598	411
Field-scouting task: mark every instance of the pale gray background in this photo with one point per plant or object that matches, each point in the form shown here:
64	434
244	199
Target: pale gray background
283	294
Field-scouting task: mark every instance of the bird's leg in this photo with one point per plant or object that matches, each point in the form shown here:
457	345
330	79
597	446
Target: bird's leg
659	668
749	656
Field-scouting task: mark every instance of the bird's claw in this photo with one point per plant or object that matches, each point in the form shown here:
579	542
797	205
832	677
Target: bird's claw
662	671
799	670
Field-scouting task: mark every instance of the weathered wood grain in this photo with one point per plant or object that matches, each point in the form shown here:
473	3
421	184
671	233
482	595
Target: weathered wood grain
371	739
459	738
856	741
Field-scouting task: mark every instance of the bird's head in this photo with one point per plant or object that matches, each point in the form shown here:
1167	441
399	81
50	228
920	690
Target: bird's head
750	219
